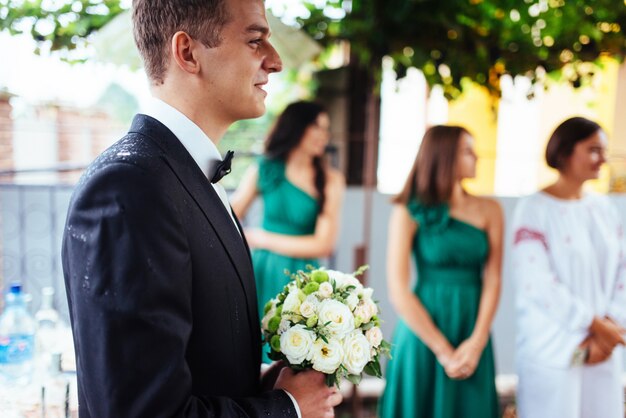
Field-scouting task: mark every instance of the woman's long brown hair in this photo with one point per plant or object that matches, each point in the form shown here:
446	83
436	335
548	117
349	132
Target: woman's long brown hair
433	174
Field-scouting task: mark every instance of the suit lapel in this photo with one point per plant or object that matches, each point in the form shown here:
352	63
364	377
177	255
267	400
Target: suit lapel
201	190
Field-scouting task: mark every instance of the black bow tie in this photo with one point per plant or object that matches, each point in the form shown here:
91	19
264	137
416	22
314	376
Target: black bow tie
221	168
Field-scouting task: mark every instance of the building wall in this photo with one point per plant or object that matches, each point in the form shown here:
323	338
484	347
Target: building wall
6	134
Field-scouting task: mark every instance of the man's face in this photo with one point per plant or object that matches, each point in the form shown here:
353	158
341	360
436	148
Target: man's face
234	73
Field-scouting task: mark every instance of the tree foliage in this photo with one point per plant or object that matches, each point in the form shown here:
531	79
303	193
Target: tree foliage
477	39
447	39
57	24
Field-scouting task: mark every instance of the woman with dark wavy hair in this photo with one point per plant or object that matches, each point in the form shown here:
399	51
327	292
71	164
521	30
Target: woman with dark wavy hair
301	195
442	362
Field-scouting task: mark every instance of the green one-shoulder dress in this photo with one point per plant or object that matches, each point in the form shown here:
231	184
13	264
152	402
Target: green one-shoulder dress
287	210
450	255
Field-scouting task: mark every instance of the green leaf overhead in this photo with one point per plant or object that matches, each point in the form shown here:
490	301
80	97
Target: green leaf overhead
477	39
62	24
448	40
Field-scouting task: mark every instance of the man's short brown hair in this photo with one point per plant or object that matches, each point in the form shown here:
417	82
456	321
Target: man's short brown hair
156	21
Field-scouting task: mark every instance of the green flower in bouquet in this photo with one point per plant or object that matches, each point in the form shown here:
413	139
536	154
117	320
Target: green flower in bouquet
326	320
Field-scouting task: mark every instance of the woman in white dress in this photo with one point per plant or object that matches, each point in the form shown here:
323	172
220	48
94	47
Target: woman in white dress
569	265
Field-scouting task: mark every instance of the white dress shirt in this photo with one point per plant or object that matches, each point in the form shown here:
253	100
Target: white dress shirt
196	142
200	147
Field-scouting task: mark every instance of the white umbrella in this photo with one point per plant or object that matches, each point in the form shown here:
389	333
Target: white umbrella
114	43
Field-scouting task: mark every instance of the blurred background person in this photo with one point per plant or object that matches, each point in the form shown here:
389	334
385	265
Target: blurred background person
302	198
442	362
570	271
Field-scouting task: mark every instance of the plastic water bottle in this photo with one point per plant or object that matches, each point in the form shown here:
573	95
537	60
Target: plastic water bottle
47	319
17	339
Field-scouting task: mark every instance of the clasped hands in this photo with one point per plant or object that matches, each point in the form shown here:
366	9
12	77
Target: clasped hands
461	363
604	335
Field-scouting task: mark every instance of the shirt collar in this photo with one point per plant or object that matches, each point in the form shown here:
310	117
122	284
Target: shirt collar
195	141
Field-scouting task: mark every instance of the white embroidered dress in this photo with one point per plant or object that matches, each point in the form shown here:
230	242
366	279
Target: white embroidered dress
569	265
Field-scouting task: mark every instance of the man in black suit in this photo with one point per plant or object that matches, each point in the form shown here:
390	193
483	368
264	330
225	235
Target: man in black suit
159	280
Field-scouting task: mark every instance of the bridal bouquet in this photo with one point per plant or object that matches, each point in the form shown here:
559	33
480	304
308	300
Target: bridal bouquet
326	320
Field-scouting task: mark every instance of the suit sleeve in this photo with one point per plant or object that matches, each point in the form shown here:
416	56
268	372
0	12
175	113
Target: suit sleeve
128	276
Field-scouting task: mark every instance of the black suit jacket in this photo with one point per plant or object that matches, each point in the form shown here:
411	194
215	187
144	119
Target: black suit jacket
161	289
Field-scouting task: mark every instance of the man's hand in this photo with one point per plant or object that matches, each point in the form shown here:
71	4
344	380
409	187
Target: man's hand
315	399
269	376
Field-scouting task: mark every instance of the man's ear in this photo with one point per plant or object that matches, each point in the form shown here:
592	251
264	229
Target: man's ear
182	49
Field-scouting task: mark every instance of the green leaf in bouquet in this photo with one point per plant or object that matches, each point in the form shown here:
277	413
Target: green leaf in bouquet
367	326
358	321
373	368
268	306
274	356
301	279
275	343
354	378
273	324
279	309
319	276
331	380
361	270
311	322
311	287
309	267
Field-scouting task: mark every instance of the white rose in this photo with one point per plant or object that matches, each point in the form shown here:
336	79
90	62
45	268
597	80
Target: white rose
374	336
307	309
292	303
364	311
337	276
338	316
284	326
291	286
352	281
356	350
367	292
296	343
313	300
310	306
373	306
327	357
352	300
326	290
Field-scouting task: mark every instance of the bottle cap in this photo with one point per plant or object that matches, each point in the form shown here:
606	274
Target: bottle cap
48	290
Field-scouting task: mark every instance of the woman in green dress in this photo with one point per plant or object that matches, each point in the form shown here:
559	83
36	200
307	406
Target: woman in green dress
442	362
301	195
